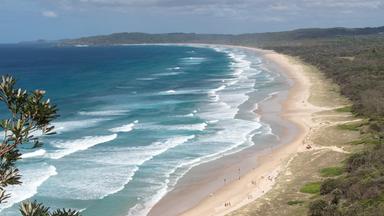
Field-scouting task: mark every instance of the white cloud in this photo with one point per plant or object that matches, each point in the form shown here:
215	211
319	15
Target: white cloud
257	10
361	4
50	14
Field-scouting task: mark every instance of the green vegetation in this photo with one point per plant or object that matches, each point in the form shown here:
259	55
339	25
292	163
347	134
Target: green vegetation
28	112
295	202
331	171
350	126
367	140
344	109
359	192
311	188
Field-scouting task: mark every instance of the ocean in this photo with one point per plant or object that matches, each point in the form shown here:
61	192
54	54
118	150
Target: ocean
134	120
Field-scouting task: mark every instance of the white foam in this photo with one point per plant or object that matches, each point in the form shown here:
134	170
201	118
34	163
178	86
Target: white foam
161	188
235	137
213	92
124	128
72	146
111	169
234	134
192	60
240	64
37	153
189	127
32	178
222	87
104	113
93	182
178	127
174	68
137	155
218	110
182	91
66	126
174	73
232	82
163	146
142	209
146	78
194	127
270	96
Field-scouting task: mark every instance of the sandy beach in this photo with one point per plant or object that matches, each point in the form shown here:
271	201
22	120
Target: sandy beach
297	109
261	167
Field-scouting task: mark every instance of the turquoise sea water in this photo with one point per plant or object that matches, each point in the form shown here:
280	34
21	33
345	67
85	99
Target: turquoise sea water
133	120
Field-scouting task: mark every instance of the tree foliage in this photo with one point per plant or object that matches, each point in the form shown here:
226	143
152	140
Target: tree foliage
26	115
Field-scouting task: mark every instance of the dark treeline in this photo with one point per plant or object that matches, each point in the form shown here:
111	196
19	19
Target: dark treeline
252	39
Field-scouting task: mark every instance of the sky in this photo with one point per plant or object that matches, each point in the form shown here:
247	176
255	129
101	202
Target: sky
27	20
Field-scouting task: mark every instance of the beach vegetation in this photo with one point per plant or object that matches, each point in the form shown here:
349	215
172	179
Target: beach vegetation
329	185
331	171
321	207
350	126
344	109
295	202
38	209
366	140
25	114
311	188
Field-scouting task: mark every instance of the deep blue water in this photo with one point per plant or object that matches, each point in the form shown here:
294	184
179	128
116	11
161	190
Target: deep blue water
133	120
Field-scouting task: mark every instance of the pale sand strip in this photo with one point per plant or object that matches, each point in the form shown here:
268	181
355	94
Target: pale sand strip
256	183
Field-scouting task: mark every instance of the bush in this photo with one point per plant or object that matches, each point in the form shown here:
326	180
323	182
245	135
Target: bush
318	207
328	186
356	161
321	207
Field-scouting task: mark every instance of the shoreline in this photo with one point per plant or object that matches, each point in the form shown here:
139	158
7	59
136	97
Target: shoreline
261	167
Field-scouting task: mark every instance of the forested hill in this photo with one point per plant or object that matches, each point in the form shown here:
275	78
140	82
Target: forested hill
141	38
248	39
